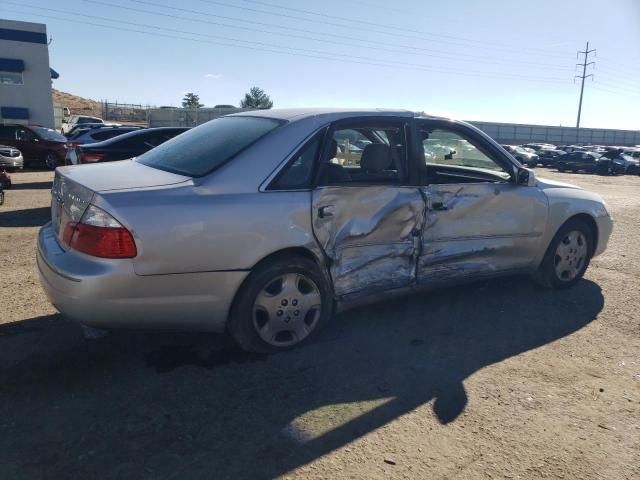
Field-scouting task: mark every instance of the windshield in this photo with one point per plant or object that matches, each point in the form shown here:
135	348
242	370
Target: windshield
49	134
202	149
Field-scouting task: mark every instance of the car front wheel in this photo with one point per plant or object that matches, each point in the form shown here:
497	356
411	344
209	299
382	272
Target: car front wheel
51	160
567	256
282	304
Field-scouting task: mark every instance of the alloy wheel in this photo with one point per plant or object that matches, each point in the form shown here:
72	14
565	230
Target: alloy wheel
570	256
51	161
287	309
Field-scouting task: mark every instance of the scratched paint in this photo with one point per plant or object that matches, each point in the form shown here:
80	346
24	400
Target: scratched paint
479	229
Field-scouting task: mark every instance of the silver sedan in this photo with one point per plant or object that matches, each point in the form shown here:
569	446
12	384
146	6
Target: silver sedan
263	224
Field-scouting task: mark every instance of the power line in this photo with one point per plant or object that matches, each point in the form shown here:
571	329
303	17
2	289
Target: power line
583	76
395	28
419	51
624	94
396	33
260	47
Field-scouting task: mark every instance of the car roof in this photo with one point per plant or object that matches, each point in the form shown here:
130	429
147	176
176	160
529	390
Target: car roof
332	114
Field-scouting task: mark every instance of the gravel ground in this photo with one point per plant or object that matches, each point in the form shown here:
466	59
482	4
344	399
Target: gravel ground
490	380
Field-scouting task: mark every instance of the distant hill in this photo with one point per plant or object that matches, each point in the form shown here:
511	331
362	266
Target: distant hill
77	105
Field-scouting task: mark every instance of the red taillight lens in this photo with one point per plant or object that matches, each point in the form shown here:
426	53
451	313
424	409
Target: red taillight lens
100	235
105	242
72	144
91	157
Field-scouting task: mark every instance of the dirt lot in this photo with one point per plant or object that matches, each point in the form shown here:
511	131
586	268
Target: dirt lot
491	380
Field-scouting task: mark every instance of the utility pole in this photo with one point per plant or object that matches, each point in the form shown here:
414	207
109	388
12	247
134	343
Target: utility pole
584	75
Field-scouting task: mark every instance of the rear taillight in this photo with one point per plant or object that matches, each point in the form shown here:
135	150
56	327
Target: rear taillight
72	144
100	235
88	157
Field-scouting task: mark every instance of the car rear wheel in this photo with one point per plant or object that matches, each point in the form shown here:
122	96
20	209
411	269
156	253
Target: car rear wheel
562	167
282	304
51	160
567	256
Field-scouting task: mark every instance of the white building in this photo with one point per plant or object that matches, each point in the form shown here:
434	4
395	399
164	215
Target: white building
25	75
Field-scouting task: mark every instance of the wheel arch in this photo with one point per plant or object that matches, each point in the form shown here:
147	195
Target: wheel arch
593	228
300	252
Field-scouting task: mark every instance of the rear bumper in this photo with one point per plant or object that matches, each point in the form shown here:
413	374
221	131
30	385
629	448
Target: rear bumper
108	294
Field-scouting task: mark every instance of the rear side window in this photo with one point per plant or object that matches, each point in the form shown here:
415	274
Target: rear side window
202	149
297	174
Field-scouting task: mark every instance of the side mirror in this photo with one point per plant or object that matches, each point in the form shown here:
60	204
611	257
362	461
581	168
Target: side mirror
526	177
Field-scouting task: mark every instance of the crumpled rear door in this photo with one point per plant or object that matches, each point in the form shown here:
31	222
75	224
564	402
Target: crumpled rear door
370	235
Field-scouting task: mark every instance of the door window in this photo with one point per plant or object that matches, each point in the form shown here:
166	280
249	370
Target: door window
297	174
24	135
452	158
364	154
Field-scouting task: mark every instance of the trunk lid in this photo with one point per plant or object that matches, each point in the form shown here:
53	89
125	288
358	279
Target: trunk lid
74	187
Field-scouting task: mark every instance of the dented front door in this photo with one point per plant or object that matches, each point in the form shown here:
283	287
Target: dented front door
478	229
370	235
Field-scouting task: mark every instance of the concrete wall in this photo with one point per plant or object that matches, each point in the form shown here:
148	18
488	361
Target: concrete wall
511	133
35	93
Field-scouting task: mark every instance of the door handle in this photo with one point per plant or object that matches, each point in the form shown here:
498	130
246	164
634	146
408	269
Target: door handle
438	205
325	211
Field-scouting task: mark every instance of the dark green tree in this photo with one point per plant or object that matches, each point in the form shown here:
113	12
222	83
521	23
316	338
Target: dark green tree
191	100
256	99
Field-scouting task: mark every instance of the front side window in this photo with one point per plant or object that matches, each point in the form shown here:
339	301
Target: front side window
24	135
49	134
448	148
11	78
365	154
204	148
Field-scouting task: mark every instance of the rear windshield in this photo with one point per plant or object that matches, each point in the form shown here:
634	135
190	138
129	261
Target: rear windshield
202	149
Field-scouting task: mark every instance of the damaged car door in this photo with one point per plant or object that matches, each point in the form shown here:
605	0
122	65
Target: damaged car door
365	216
479	221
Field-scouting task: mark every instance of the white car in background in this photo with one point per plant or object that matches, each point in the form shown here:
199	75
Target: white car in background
76	120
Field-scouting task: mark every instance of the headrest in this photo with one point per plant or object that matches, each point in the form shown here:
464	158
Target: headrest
333	149
376	157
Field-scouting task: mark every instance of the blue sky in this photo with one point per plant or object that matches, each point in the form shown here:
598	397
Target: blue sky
496	60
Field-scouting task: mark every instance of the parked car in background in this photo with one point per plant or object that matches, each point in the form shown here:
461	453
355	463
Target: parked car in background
75	120
125	146
549	157
592	162
38	145
82	128
522	155
247	224
572	148
538	146
92	135
632	165
10	158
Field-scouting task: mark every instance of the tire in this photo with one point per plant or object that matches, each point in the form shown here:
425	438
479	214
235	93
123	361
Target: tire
576	262
1	197
264	317
562	167
51	160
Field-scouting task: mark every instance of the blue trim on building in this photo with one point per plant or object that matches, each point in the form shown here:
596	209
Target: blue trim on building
11	65
15	113
22	36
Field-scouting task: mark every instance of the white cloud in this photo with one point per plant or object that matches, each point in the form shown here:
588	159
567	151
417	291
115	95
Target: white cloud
214	76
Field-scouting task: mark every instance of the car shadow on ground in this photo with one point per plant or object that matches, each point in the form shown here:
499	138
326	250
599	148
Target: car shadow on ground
32	186
141	405
27	217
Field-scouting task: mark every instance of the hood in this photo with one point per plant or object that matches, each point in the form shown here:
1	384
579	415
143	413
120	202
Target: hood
545	183
122	175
